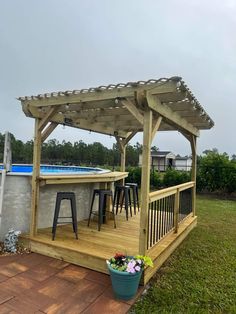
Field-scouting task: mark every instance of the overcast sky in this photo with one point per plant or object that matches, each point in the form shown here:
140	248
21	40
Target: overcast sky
52	45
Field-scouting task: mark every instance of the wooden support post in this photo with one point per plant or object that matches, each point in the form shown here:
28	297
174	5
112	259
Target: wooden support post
35	179
145	182
122	148
123	159
193	142
176	212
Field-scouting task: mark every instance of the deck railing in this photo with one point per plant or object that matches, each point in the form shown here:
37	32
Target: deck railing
168	208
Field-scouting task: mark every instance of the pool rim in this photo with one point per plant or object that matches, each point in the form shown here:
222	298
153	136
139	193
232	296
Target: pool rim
69	173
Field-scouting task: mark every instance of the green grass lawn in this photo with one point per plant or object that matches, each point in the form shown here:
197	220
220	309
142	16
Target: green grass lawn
200	276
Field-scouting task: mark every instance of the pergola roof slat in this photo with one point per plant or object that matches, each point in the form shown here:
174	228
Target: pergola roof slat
113	109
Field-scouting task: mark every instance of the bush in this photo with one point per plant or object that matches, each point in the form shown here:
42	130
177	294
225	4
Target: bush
174	177
216	173
155	179
134	175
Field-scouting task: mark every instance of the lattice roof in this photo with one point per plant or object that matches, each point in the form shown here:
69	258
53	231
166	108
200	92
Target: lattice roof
117	109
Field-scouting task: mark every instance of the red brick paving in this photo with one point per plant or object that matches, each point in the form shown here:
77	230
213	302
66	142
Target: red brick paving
33	283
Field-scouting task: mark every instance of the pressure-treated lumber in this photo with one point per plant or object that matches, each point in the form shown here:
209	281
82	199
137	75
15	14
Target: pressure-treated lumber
79	179
193	142
145	181
133	109
35	179
169	115
94	247
44	121
48	130
156	127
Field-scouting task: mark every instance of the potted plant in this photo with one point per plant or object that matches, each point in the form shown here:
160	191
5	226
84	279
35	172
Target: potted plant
125	272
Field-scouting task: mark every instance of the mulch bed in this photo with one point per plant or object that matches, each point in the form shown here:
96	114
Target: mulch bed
20	250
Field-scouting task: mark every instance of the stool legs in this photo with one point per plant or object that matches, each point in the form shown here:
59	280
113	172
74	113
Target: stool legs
102	201
56	214
74	217
123	197
137	197
65	196
91	207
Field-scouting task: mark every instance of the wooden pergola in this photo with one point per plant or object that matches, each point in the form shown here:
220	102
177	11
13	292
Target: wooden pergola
121	111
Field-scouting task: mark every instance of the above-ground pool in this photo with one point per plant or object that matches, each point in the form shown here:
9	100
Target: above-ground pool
50	169
16	209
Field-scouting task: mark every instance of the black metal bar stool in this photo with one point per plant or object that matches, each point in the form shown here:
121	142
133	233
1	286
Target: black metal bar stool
122	194
102	202
135	200
65	196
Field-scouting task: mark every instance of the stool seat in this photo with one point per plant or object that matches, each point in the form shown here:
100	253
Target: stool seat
65	196
102	200
122	195
135	198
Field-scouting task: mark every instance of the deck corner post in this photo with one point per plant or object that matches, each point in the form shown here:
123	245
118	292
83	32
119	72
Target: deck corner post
35	179
145	182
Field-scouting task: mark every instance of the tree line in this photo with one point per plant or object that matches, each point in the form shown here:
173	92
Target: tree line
215	171
67	153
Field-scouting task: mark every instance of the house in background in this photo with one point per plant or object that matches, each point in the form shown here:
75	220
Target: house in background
183	163
163	160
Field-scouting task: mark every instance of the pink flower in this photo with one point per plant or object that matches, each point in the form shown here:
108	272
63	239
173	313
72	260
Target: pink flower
130	267
137	268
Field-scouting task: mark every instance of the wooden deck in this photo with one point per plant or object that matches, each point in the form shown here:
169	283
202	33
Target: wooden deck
93	247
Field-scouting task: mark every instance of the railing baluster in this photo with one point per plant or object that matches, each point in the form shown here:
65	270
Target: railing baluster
167	208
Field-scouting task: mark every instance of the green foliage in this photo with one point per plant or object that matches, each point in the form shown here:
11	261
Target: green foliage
134	175
174	177
200	276
67	153
155	179
147	261
216	173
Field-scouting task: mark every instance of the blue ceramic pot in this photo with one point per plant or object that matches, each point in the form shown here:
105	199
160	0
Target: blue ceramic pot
125	285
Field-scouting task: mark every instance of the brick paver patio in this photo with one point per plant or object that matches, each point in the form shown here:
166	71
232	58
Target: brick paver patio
33	283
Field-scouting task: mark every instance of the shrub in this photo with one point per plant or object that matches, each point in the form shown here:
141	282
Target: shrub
216	173
174	177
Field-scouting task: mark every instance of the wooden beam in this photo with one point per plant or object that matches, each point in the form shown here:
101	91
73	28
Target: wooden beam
126	92
155	127
50	128
170	116
51	112
35	179
145	182
129	137
133	109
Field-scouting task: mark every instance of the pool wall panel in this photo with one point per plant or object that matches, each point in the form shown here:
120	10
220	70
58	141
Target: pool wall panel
17	203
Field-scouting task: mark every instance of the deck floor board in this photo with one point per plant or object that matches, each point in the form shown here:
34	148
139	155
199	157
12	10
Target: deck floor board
94	247
103	243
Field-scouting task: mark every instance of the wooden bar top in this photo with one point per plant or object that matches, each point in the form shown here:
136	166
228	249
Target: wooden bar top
82	178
